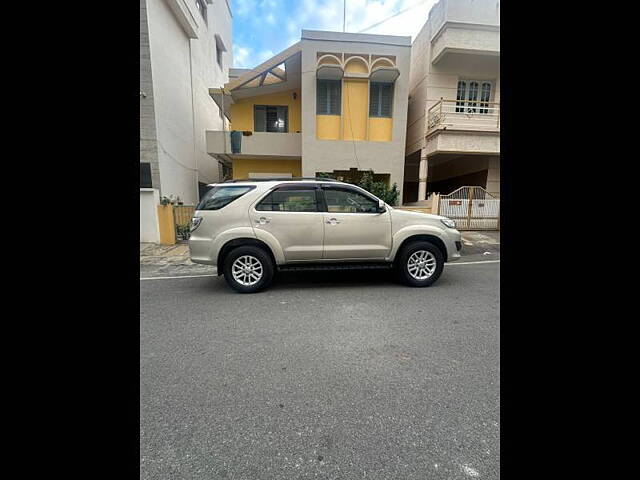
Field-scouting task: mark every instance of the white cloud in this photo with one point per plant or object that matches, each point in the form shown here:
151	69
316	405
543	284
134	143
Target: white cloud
362	14
240	56
243	7
264	55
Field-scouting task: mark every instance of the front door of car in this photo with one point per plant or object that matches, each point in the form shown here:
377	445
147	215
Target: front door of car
291	215
354	226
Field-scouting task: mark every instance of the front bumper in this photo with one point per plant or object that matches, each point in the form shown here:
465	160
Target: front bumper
454	244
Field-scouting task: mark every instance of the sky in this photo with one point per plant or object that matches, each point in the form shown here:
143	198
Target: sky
262	28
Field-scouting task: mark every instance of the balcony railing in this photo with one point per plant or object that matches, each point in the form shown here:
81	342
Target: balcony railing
256	144
464	115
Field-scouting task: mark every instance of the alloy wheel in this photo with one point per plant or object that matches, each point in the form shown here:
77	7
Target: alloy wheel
247	270
421	264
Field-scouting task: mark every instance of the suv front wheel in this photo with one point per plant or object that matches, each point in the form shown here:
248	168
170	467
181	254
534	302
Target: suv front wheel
419	264
248	269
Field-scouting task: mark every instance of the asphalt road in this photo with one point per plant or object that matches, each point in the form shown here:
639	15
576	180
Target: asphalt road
327	375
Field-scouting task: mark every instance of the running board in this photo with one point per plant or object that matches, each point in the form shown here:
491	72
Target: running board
336	266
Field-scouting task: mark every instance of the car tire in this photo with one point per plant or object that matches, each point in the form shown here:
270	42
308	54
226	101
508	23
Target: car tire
248	269
417	260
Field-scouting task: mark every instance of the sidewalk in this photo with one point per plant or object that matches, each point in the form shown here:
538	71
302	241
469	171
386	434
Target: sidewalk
160	260
153	254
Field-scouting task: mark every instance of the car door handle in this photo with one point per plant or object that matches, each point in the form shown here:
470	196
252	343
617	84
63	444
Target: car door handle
333	221
263	220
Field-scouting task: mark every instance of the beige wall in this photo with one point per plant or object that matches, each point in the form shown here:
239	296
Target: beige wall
379	150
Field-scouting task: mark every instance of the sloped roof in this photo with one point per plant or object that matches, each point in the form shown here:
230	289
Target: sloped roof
269	68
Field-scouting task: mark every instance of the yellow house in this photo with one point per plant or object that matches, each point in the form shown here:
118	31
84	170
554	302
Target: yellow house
332	102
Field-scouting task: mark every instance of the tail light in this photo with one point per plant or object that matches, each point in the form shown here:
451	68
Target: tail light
195	223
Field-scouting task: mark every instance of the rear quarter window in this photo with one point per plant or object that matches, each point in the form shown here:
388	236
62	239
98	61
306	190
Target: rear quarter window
220	197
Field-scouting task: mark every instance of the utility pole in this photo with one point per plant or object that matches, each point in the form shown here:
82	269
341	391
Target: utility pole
344	15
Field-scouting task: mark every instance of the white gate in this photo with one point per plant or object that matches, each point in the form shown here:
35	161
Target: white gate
472	208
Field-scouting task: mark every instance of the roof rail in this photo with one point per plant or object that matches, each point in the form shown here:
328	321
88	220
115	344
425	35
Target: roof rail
281	179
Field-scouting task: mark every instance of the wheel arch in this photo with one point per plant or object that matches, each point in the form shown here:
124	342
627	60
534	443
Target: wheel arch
434	239
242	242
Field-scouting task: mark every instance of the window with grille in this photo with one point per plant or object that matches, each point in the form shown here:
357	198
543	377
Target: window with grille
473	96
328	97
485	96
380	99
461	96
145	176
271	118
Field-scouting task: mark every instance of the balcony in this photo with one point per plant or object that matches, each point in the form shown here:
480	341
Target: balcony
463	127
258	144
457	115
460	29
468	39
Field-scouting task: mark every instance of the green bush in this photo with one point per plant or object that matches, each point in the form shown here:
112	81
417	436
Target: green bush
379	189
183	232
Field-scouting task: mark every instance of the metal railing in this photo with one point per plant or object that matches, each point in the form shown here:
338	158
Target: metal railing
464	115
472	208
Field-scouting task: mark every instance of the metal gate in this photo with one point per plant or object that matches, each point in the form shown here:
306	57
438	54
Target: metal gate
472	208
182	217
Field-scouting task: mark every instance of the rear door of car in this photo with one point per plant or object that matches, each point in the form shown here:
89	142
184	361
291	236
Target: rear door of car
291	213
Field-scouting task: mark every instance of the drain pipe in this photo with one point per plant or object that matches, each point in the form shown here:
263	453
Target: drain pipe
193	125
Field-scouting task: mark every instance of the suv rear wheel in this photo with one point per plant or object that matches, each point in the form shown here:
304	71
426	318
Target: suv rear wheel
248	269
419	264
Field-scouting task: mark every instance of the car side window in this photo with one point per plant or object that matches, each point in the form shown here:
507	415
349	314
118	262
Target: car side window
289	200
348	201
219	197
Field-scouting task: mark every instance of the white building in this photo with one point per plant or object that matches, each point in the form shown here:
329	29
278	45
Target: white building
453	124
185	49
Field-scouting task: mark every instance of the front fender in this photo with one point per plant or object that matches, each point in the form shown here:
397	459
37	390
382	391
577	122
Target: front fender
410	230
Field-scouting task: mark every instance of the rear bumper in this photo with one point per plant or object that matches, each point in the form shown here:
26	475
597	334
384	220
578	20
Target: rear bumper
200	251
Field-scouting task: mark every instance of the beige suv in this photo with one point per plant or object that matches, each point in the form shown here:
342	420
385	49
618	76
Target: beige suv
249	229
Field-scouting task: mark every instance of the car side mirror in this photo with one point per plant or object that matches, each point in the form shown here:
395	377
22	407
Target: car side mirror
382	207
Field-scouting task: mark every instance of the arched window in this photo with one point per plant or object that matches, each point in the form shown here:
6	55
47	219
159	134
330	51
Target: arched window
485	96
461	96
473	96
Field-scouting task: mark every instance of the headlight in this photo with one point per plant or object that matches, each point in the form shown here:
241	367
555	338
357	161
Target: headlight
195	223
447	222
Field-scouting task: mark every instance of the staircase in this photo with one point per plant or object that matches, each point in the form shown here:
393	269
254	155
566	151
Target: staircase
422	206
